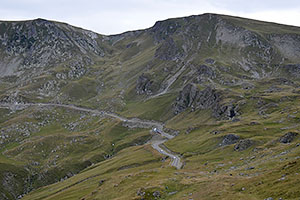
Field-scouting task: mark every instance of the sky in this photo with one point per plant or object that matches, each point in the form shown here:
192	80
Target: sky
117	16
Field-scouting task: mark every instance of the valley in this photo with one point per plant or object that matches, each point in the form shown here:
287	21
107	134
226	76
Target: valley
198	107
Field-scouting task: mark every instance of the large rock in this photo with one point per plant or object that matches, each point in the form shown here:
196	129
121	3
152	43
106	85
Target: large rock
293	69
208	98
192	97
288	137
156	194
144	85
229	139
225	111
243	145
186	98
269	198
205	71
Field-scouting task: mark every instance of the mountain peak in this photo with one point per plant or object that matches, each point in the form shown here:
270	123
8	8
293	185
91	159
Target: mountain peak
40	19
224	90
40	43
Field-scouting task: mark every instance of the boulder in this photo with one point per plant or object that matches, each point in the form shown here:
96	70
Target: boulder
156	194
101	182
210	61
288	137
203	72
247	86
269	198
243	145
225	111
229	139
144	85
215	132
141	192
293	69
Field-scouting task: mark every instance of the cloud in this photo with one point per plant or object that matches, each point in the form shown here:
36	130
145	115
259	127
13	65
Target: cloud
256	5
115	16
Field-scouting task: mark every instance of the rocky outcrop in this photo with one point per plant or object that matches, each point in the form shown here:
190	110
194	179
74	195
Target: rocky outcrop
292	69
168	50
225	111
205	70
287	44
283	81
288	137
243	145
229	139
192	97
210	61
247	86
164	29
78	68
13	97
244	39
156	194
40	43
143	85
186	98
202	72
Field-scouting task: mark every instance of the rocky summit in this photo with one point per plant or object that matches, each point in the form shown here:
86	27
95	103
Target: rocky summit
199	107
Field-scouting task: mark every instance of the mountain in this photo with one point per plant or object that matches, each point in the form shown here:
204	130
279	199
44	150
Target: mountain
219	94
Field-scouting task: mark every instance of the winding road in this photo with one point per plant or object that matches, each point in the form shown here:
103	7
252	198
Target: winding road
155	143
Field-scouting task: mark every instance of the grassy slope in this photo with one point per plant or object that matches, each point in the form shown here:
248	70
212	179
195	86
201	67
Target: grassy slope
207	166
210	171
68	143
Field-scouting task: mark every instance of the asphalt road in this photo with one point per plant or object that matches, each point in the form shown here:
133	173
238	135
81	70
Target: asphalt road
175	160
155	143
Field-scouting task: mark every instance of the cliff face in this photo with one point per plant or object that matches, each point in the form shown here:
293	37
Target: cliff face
42	44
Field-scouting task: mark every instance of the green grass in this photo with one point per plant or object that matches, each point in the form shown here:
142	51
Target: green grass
207	165
69	189
159	108
87	148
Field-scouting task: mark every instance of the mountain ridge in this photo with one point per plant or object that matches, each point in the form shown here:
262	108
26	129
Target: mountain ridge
225	87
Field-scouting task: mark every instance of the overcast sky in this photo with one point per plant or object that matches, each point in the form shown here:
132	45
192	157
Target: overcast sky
116	16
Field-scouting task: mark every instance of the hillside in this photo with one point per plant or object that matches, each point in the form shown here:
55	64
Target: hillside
200	107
